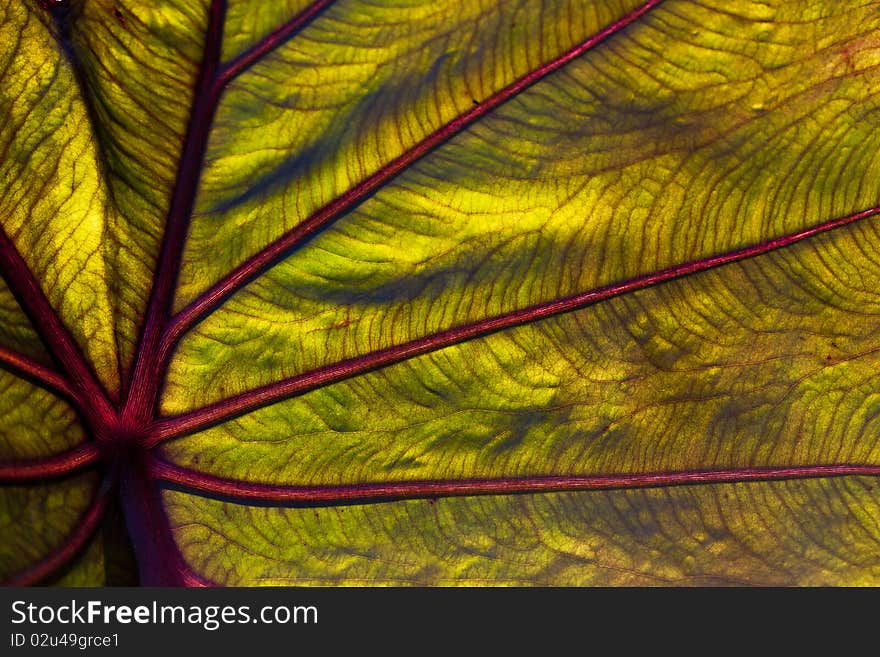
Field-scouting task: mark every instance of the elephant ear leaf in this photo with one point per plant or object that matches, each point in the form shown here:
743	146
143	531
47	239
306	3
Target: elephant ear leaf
342	292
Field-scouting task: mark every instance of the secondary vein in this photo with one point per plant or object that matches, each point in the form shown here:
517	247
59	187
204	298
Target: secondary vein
270	42
30	369
47	467
90	396
241	491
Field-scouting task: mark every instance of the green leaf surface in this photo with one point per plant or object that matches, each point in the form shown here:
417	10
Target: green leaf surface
34	521
33	422
350	292
52	202
730	534
673	378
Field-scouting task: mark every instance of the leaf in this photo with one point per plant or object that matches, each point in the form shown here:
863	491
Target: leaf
343	292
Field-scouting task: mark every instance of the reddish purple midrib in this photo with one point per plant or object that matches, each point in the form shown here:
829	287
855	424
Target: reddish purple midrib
160	562
255	265
200	482
82	532
249	401
48	467
30	369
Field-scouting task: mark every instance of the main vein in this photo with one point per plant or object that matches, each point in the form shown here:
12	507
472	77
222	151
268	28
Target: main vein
144	380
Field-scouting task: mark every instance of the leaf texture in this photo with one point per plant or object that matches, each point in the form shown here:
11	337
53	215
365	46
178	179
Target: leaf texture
53	204
440	293
708	535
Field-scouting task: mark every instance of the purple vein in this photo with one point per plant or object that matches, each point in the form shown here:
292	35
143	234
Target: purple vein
49	467
199	482
30	369
264	259
84	529
93	402
160	562
144	379
226	409
270	42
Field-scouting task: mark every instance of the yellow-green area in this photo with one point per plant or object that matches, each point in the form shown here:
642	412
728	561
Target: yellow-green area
53	204
352	91
771	361
808	532
247	22
37	519
33	422
699	129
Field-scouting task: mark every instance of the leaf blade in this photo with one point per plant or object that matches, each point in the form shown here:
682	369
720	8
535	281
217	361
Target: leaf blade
730	534
407	339
42	529
722	369
52	230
